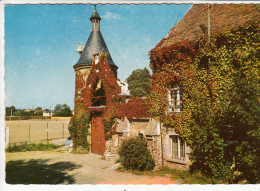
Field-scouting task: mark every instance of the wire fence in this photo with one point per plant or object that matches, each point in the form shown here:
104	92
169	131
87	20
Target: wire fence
15	118
29	131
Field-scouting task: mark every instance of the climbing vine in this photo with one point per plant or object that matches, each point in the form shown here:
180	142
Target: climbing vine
221	103
101	75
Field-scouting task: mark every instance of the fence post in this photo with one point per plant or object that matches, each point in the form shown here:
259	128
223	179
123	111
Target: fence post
29	133
7	136
47	133
63	130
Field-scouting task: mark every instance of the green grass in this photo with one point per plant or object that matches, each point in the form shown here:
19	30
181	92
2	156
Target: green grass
31	147
186	176
190	178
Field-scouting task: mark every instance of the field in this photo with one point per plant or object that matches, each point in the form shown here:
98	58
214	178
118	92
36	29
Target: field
36	130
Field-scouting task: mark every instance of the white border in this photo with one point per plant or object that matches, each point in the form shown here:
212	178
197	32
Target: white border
6	187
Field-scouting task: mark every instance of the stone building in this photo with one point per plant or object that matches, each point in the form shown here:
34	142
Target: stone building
93	89
201	20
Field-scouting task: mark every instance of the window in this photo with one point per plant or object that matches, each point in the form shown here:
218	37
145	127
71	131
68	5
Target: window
174	99
177	147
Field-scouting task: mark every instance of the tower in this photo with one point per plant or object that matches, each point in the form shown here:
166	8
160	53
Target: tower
94	45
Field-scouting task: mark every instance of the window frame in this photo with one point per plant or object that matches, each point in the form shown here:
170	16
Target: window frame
177	147
174	99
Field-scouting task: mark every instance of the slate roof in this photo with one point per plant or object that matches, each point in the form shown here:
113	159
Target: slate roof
94	45
222	17
95	15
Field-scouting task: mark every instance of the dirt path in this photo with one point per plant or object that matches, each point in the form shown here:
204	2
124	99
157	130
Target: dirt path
52	167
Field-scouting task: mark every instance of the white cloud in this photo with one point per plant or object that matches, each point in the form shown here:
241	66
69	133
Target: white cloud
110	16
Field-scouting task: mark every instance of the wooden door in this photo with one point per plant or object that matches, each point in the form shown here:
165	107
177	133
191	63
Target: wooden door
97	135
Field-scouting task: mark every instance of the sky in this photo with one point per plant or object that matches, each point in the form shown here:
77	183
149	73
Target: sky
41	42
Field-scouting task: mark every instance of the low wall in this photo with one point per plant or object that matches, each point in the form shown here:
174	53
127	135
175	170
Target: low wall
60	118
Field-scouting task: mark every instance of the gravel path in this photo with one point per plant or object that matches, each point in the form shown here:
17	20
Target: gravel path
52	167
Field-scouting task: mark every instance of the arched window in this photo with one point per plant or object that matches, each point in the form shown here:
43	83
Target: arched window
99	97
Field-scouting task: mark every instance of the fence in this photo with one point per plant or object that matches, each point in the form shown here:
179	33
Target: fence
13	118
29	131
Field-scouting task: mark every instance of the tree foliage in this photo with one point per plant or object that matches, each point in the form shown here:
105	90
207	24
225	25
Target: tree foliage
10	110
63	110
139	83
221	105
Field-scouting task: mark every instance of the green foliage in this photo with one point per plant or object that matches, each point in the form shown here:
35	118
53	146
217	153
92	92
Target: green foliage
58	107
38	113
38	108
23	113
135	155
225	94
10	111
191	178
139	83
249	157
221	90
118	160
31	147
79	129
64	112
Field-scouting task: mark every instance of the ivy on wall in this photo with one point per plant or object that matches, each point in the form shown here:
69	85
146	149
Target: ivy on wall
221	106
115	107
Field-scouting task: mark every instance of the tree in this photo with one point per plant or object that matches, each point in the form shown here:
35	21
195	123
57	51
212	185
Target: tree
10	111
139	83
58	107
63	110
38	108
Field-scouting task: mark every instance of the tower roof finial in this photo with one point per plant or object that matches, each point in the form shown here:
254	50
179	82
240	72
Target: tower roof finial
95	7
95	15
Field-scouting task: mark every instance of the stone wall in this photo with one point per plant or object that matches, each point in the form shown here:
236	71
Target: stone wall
168	161
154	145
136	127
139	126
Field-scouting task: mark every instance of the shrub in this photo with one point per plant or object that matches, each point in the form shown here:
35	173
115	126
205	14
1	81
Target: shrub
135	155
31	147
118	160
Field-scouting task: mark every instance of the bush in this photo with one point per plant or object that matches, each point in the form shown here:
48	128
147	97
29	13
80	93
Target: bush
118	160
135	155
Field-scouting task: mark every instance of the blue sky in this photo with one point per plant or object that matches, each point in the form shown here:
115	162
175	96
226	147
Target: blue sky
41	42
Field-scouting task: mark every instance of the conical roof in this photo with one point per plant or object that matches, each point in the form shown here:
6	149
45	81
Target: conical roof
95	15
94	45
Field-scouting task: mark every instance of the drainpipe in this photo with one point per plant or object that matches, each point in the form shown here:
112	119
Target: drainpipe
161	143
